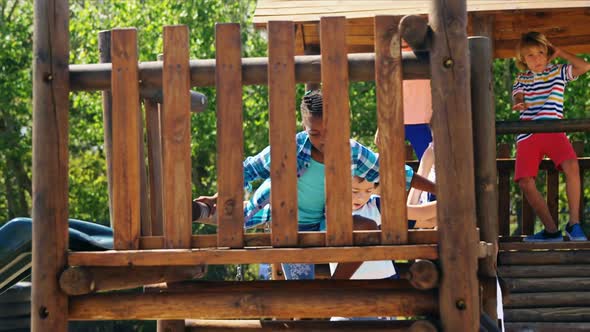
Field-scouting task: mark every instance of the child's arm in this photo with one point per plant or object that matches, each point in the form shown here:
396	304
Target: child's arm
421	183
579	65
519	104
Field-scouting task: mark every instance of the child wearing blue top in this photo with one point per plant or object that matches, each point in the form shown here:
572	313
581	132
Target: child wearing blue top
310	173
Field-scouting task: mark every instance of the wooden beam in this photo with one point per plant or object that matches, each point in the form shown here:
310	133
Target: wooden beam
484	158
173	257
549	299
266	299
527	246
361	67
336	119
281	99
543	271
175	131
561	314
451	125
542	126
545	257
308	325
305	239
390	115
554	284
51	90
547	327
86	280
126	139
230	177
104	50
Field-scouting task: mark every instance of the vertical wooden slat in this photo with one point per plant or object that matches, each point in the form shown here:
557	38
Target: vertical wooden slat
336	121
281	96
230	177
176	139
104	47
553	194
144	204
579	149
528	217
390	116
51	87
154	146
451	125
126	173
504	192
484	156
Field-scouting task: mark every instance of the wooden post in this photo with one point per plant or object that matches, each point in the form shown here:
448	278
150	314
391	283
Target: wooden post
336	118
230	177
281	96
528	217
451	124
484	152
104	49
176	158
579	148
176	161
390	115
504	192
154	147
51	50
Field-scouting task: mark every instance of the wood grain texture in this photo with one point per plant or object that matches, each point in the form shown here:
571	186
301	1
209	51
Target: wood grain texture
230	178
305	239
176	163
51	89
390	116
104	50
503	192
126	134
281	98
154	155
171	257
264	301
336	120
453	137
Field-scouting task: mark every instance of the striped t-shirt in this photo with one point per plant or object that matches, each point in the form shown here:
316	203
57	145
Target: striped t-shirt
543	93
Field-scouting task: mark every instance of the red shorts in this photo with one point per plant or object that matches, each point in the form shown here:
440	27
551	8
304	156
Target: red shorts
531	151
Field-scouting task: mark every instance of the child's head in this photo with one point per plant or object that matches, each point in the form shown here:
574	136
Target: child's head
311	115
533	52
361	192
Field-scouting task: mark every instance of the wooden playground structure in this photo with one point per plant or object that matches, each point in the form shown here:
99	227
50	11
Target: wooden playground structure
152	224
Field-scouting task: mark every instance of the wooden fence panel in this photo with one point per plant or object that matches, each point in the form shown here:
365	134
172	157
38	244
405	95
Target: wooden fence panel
126	134
230	178
176	139
337	131
390	115
281	97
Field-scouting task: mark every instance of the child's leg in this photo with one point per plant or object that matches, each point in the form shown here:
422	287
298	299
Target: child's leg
572	181
537	202
529	153
560	150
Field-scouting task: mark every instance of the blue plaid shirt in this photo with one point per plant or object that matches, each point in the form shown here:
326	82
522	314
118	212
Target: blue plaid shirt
365	164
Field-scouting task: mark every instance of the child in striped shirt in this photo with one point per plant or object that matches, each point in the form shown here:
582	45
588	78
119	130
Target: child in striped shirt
538	95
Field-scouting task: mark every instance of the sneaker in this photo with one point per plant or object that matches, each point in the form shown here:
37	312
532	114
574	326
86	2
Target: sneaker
575	233
544	236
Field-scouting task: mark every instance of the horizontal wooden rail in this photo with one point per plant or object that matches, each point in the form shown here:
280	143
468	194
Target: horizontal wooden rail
361	67
270	299
547	327
549	299
305	239
561	314
507	243
545	257
308	325
542	126
530	285
172	257
543	271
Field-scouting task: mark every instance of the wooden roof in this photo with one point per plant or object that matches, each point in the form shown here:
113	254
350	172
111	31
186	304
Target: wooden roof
566	23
